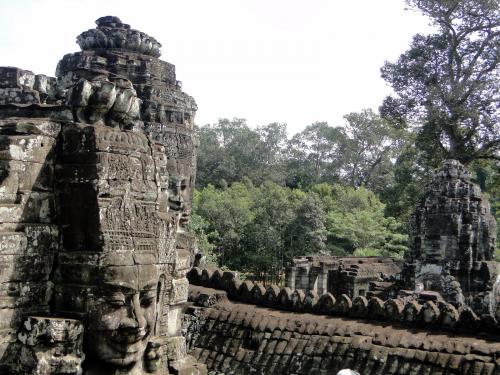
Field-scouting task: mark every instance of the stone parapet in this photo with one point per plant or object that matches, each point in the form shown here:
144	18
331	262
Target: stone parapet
409	310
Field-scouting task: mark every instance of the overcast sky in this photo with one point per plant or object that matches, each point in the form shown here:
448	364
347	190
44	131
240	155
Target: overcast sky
292	61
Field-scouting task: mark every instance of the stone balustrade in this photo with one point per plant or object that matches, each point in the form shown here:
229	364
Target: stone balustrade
406	311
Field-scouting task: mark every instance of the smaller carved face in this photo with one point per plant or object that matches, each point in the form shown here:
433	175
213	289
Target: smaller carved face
179	198
123	315
178	193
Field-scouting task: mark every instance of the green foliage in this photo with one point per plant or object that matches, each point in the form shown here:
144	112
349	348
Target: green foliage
360	153
260	229
356	223
370	145
351	188
200	228
411	175
446	84
306	234
230	151
227	211
487	174
313	155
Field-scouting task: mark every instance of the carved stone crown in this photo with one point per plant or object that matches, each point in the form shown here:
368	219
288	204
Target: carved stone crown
453	169
111	33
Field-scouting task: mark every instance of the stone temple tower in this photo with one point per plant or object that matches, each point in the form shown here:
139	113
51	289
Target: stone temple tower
452	238
97	170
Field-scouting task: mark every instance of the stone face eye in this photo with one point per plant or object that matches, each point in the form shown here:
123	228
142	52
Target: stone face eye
147	301
116	300
148	298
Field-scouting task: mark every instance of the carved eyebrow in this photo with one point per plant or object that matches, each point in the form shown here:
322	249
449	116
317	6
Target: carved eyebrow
150	286
120	286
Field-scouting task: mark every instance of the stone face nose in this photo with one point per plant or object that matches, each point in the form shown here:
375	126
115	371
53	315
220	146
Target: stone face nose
135	319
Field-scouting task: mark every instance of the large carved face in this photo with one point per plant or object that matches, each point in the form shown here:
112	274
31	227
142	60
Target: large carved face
122	315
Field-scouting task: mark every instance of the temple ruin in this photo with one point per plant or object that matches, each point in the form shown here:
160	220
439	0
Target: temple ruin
353	276
98	166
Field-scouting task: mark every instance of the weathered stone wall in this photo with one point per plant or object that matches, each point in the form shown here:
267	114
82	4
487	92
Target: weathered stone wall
238	338
29	238
353	276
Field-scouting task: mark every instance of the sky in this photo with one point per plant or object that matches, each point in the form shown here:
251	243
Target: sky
288	61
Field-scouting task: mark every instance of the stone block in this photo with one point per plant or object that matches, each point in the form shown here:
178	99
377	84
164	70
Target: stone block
182	262
15	77
16	294
29	126
33	240
179	293
34	207
25	267
18	96
175	320
22	176
176	348
27	148
51	346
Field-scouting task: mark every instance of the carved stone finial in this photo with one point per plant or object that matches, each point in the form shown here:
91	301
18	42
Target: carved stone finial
110	21
111	33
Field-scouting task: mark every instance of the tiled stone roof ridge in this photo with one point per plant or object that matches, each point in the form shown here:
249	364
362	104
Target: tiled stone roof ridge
431	314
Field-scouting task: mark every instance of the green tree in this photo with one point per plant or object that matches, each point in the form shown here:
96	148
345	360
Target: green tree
228	212
446	84
411	174
258	229
265	236
356	223
200	227
225	152
230	151
313	155
487	175
370	146
306	234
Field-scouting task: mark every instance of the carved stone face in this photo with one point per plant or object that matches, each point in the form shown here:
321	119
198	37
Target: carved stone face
122	315
179	197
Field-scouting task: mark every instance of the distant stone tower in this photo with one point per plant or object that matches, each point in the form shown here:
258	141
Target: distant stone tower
452	237
97	170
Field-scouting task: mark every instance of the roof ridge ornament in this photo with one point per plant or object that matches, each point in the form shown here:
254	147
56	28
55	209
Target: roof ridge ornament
112	34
